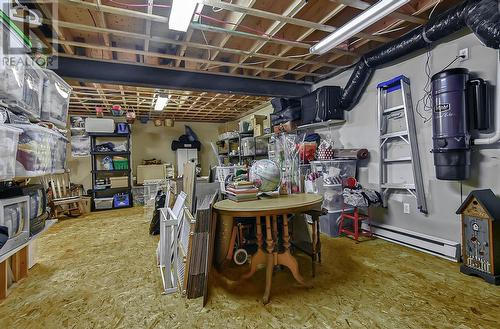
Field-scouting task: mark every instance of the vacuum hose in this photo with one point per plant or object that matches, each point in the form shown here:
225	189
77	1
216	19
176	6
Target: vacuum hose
481	16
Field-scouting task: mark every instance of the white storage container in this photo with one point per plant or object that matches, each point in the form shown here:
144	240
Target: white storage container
59	153
9	138
80	146
31	103
330	183
332	196
34	150
55	101
335	168
103	203
11	78
247	146
96	125
11	67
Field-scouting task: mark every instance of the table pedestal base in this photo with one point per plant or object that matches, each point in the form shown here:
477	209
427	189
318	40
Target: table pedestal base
272	258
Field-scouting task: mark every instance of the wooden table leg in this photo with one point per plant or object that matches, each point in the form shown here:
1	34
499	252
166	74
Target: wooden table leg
287	259
270	260
260	256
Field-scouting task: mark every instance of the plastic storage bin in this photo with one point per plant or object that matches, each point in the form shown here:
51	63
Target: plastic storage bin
34	150
59	153
138	195
247	146
120	163
330	183
11	67
9	137
103	203
335	168
332	196
121	200
96	125
55	101
329	224
11	78
31	103
80	146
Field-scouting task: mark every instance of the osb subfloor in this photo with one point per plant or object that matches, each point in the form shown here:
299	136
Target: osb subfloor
98	271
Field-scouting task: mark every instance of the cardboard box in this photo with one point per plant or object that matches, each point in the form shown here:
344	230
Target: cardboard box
258	130
117	182
228	126
86	204
151	172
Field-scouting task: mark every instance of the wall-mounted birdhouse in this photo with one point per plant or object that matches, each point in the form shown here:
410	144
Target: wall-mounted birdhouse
480	214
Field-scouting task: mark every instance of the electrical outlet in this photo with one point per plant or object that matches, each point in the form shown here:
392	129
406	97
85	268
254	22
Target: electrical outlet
464	54
406	208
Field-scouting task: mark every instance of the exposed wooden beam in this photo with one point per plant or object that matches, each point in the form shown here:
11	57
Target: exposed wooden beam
285	19
291	11
304	35
237	18
358	4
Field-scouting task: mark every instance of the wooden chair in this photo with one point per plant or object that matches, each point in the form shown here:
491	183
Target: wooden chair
63	197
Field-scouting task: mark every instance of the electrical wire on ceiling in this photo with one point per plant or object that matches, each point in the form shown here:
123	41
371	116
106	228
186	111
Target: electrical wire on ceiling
434	8
216	10
220	21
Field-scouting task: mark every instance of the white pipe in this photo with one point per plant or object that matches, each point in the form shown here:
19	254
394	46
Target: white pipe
495	136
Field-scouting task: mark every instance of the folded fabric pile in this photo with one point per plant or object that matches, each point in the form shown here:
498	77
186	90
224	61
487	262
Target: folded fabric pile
241	191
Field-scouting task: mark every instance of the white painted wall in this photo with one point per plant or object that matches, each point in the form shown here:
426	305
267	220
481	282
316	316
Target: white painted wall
443	197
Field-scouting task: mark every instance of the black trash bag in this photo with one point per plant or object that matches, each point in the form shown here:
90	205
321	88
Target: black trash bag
154	226
4	235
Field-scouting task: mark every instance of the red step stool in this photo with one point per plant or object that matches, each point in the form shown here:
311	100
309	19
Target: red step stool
357	218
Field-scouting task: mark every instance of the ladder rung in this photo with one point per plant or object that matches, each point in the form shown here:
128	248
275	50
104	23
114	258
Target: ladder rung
392	109
395	134
398	186
402	159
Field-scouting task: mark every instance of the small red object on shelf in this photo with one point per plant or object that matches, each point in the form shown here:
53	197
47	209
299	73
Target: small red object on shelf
99	111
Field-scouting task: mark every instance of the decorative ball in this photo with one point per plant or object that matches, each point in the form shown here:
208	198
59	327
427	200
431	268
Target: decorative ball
266	175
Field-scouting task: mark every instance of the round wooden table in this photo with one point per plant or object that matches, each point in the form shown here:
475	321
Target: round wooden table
270	209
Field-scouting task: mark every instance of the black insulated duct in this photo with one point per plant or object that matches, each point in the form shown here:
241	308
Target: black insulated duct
481	16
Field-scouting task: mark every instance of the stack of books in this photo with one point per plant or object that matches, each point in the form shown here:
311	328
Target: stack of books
241	191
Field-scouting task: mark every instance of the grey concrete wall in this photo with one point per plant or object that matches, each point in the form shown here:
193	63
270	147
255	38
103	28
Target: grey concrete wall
361	130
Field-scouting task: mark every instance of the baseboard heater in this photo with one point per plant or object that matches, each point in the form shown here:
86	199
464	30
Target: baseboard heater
446	249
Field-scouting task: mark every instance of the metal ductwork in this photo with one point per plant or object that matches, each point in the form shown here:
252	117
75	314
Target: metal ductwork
481	16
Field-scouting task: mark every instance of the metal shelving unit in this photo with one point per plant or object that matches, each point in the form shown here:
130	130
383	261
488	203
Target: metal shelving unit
237	140
98	173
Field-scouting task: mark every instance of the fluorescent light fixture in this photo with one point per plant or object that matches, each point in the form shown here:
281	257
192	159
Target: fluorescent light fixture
358	24
181	14
161	102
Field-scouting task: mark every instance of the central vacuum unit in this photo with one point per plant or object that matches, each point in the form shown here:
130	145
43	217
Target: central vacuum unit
458	105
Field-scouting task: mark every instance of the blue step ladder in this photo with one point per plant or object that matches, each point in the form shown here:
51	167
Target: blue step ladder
402	118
